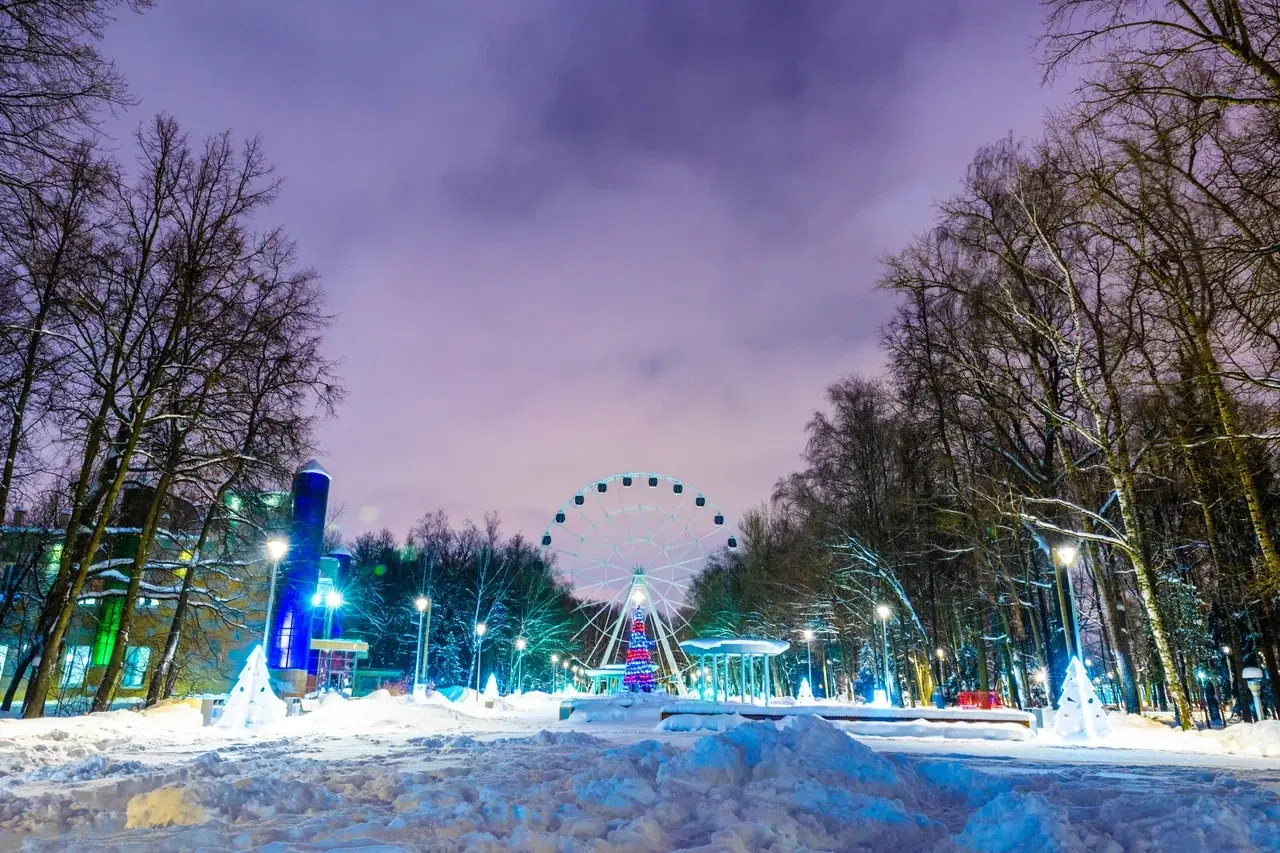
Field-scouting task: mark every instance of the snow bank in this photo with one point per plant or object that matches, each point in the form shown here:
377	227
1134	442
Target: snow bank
382	712
700	723
459	695
1262	738
641	709
941	730
802	784
1131	731
848	711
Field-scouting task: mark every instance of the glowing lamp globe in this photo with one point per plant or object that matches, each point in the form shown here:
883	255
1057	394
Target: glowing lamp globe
277	548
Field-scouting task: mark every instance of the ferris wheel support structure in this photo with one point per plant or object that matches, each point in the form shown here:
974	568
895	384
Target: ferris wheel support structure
617	549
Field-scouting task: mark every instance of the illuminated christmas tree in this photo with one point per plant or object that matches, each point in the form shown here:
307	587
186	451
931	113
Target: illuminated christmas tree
639	672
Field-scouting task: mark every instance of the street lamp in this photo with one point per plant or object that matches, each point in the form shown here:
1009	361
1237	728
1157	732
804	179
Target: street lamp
883	612
480	629
423	605
276	549
331	600
555	672
808	649
1065	555
521	645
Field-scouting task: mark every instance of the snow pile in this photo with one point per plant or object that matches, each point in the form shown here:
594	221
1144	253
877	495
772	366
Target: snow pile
1067	816
642	709
177	715
163	807
380	712
535	701
774	788
97	766
700	722
941	730
1262	738
1135	732
460	695
1020	823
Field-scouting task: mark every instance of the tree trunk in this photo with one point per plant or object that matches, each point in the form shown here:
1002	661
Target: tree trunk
19	672
1225	407
1267	631
160	673
115	664
1116	635
38	692
1123	480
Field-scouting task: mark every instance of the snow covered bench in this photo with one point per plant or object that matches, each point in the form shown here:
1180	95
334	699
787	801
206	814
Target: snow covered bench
852	713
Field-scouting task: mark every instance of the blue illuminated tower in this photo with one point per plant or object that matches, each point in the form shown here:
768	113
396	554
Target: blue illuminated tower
290	644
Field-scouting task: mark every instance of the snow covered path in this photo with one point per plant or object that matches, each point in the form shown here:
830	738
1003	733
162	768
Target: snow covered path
381	775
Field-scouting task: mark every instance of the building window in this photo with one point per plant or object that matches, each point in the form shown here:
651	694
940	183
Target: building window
74	665
135	666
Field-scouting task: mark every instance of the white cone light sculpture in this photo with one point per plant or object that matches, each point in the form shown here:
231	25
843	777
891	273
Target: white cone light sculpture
252	702
1080	713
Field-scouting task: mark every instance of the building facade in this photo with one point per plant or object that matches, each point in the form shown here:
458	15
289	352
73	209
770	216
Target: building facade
226	598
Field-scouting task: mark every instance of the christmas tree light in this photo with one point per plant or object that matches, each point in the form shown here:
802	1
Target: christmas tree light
639	673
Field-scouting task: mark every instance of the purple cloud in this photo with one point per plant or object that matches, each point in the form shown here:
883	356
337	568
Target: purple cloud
567	239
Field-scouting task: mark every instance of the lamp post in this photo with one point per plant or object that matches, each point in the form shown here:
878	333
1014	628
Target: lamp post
521	645
555	672
480	629
423	605
1064	556
808	649
883	612
940	694
276	549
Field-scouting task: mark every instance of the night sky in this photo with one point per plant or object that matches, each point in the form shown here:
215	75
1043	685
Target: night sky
569	238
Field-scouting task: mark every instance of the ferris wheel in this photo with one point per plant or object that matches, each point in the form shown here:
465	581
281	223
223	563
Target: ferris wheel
630	540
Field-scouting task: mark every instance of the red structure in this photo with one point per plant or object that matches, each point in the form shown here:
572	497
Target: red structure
978	699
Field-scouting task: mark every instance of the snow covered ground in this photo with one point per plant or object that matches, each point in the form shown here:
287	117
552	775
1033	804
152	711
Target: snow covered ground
380	774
